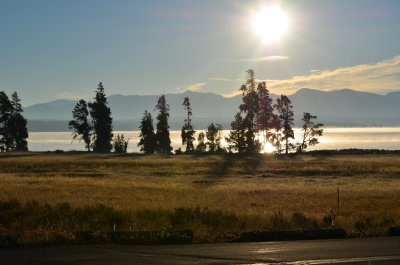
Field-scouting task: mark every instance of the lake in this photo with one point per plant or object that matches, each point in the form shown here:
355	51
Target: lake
333	138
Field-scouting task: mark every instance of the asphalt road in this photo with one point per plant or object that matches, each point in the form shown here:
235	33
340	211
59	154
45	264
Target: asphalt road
370	251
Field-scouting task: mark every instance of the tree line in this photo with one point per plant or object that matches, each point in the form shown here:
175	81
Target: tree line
258	122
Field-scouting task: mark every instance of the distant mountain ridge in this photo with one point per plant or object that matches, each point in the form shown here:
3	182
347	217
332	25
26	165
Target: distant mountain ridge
350	107
343	107
133	106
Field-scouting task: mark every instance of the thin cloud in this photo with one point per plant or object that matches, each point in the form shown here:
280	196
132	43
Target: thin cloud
264	59
194	87
378	77
233	94
66	95
220	79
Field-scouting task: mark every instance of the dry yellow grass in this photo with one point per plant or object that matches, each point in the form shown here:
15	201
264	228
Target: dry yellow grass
254	189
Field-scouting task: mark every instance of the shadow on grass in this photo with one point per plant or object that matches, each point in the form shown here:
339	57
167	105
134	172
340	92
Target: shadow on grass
235	163
16	155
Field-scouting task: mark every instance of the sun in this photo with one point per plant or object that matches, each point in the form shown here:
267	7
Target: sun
270	23
267	147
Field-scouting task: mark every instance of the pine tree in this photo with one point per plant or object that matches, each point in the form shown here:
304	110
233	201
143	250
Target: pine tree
102	122
213	135
237	136
201	146
147	142
120	145
16	103
13	129
219	138
276	136
311	132
285	109
18	125
80	123
250	108
162	134
265	113
6	109
187	133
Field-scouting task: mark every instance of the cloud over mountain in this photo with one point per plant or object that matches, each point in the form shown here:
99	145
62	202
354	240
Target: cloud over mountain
380	77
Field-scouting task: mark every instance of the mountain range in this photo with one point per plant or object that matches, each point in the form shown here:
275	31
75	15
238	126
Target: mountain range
343	107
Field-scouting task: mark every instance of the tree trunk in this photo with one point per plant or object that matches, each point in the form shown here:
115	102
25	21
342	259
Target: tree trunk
287	146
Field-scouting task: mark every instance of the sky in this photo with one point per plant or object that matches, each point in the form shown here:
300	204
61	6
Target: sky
61	49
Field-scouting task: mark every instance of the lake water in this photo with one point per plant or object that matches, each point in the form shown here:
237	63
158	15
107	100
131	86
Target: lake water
333	138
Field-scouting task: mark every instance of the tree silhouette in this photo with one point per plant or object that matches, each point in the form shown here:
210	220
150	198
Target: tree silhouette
285	109
250	108
213	135
162	134
102	122
266	114
120	145
13	130
201	146
237	136
276	136
17	125
6	109
311	132
147	143
80	123
187	133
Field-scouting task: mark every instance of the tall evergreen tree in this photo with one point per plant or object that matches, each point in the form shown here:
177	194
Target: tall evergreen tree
16	103
162	134
311	132
148	142
285	109
102	122
265	114
6	109
219	138
18	125
13	130
213	135
237	136
80	123
250	108
276	136
187	133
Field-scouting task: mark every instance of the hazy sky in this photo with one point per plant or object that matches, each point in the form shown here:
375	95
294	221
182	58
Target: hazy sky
51	49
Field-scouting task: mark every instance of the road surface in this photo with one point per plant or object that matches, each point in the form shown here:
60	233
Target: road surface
369	251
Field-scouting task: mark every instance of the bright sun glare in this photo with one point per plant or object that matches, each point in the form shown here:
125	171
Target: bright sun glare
270	23
267	147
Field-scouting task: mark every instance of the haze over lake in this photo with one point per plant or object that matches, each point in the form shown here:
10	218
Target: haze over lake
333	138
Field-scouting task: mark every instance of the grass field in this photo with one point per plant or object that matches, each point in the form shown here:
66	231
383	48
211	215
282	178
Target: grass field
47	195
